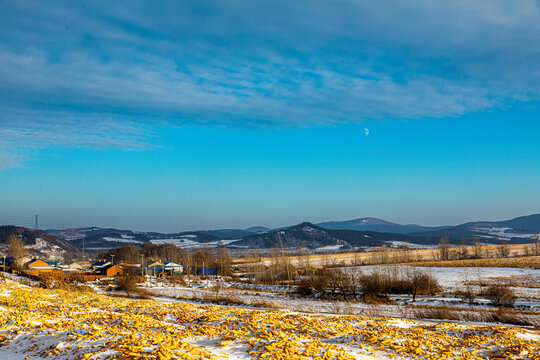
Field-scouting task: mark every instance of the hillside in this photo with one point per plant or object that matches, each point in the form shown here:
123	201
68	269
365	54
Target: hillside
40	243
312	236
375	224
94	239
517	230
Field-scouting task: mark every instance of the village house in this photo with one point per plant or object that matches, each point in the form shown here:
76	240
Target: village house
38	264
110	271
173	268
100	264
24	259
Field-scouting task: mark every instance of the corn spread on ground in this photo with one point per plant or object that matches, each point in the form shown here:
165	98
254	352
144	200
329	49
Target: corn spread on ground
55	324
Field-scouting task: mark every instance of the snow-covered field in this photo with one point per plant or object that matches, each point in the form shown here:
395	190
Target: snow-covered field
187	241
504	232
37	323
452	279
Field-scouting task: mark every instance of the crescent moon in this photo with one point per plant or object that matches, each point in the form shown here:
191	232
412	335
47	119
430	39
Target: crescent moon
366	131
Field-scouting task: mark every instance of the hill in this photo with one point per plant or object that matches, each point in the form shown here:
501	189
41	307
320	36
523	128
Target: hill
40	243
94	239
375	224
517	230
312	236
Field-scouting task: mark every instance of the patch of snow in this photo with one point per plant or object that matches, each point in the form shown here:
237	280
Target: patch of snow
503	232
121	240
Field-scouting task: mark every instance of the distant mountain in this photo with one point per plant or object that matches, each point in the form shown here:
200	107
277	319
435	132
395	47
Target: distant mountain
258	229
228	234
40	243
378	225
330	235
94	239
312	236
517	230
529	223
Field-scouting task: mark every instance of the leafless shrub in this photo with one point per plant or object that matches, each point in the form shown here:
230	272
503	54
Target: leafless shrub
177	279
500	295
422	284
468	295
374	284
128	284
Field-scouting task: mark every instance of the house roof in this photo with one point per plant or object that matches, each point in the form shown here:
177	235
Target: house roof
107	267
101	263
37	262
156	263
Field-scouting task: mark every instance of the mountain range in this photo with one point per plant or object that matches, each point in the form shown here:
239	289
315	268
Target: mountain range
331	235
325	236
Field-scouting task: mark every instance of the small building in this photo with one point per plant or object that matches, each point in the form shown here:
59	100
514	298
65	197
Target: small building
155	268
172	268
85	264
100	264
24	260
74	266
110	271
38	264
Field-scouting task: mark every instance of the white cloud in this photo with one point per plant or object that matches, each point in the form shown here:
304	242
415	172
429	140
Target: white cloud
102	74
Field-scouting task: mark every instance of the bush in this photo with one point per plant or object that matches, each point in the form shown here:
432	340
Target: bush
318	281
303	288
422	284
178	279
128	284
500	295
468	295
374	284
392	282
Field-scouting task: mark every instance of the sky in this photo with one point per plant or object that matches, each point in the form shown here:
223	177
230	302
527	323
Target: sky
183	115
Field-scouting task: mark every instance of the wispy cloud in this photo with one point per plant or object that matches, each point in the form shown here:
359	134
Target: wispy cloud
99	74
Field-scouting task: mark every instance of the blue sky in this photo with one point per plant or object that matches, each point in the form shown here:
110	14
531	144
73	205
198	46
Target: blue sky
185	115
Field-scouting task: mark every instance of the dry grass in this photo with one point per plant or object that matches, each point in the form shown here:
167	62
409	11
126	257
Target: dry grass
53	283
505	316
223	299
525	281
532	262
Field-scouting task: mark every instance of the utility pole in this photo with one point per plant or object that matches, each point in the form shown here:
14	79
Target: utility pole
36	225
112	259
142	265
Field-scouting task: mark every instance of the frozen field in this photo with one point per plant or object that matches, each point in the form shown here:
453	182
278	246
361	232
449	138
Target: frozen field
37	324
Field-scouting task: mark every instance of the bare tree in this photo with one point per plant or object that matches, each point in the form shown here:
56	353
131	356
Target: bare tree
224	261
421	281
187	261
535	240
477	247
463	250
502	249
203	257
15	247
443	248
128	283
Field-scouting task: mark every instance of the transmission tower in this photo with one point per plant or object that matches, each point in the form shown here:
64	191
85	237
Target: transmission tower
36	225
